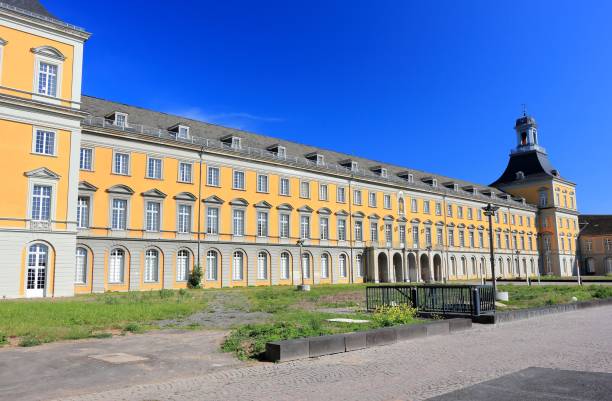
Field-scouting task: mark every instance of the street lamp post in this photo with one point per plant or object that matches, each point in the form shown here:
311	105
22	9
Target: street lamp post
303	286
489	211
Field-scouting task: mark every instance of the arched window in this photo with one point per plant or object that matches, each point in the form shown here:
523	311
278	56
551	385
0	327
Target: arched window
116	266
525	267
324	266
238	265
38	255
262	265
463	266
500	264
474	267
306	265
453	266
151	274
182	265
81	266
532	267
212	263
284	266
342	265
359	265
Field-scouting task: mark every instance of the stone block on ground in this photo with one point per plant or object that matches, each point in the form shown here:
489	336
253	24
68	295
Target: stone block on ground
287	350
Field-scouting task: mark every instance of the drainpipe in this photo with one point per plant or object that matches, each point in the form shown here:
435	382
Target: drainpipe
200	205
351	228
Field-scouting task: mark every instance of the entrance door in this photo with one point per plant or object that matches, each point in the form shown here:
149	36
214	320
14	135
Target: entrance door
36	278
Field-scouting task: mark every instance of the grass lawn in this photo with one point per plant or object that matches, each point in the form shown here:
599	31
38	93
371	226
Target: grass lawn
31	322
522	296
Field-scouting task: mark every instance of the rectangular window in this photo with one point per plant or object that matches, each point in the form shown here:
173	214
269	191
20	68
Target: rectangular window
520	220
414	205
374	232
522	242
479	214
238	180
480	239
415	236
438	209
83	212
47	79
120	120
507	241
472	239
372	199
262	224
512	219
284	225
239	222
426	207
389	234
213	176
469	213
41	203
184	219
154	168
402	235
153	216
305	227
341	195
305	189
451	237
183	132
283	186
543	199
262	183
460	212
358	231
324	228
505	218
86	159
608	244
44	142
323	192
498	238
119	214
185	172
341	230
387	201
121	164
357	197
461	238
212	220
449	210
428	236
281	152
439	237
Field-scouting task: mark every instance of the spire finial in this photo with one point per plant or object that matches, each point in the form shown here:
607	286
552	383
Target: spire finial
524	109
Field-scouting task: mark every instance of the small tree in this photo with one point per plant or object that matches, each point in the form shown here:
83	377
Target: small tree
195	277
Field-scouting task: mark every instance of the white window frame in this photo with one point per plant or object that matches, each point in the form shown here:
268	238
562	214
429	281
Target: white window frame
372	199
180	171
285	265
151	273
91	158
80	213
263	183
280	186
179	219
80	273
161	168
238	223
263	223
159	216
48	131
262	265
324	228
357	197
55	99
358	232
182	271
340	194
284	232
323	192
235	180
305	194
305	230
387	201
341	230
238	265
184	129
209	230
212	271
129	163
210	179
127	212
121	272
125	120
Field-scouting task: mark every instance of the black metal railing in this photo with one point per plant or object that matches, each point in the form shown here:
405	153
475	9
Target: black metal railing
472	300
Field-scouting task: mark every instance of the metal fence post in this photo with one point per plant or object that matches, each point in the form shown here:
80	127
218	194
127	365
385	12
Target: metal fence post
475	301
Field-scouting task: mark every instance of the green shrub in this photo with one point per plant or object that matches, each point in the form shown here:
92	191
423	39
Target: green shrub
394	315
183	293
133	328
165	293
601	291
3	339
29	341
195	278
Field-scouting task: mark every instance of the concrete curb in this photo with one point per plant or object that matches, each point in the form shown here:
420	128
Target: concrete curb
508	316
312	347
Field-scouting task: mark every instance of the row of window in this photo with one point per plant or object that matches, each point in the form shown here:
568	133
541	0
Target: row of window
117	265
568	202
606	242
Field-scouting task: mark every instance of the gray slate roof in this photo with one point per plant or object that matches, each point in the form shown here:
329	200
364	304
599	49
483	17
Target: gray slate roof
163	121
33	6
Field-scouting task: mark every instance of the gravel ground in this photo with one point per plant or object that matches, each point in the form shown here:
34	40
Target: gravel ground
412	370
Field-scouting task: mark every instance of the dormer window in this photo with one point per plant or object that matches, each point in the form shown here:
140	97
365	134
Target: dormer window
354	166
434	183
234	142
351	165
183	132
406	176
120	120
381	171
431	181
520	175
318	158
278	150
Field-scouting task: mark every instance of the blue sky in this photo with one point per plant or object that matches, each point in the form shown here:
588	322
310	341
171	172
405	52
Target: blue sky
431	85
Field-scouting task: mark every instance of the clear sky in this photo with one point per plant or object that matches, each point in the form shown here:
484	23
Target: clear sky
430	85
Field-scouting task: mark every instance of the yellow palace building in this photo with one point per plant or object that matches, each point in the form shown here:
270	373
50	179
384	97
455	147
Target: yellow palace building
102	196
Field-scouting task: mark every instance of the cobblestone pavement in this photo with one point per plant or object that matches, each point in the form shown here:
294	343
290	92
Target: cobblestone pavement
412	370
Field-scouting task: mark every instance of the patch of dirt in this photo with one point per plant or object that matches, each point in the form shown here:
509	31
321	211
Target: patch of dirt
224	311
343	298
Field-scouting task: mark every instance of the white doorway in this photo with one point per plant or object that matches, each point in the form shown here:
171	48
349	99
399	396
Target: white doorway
36	274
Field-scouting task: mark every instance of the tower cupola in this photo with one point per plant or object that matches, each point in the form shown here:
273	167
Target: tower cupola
526	133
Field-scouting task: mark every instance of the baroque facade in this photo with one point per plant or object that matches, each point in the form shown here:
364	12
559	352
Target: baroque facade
103	196
595	244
